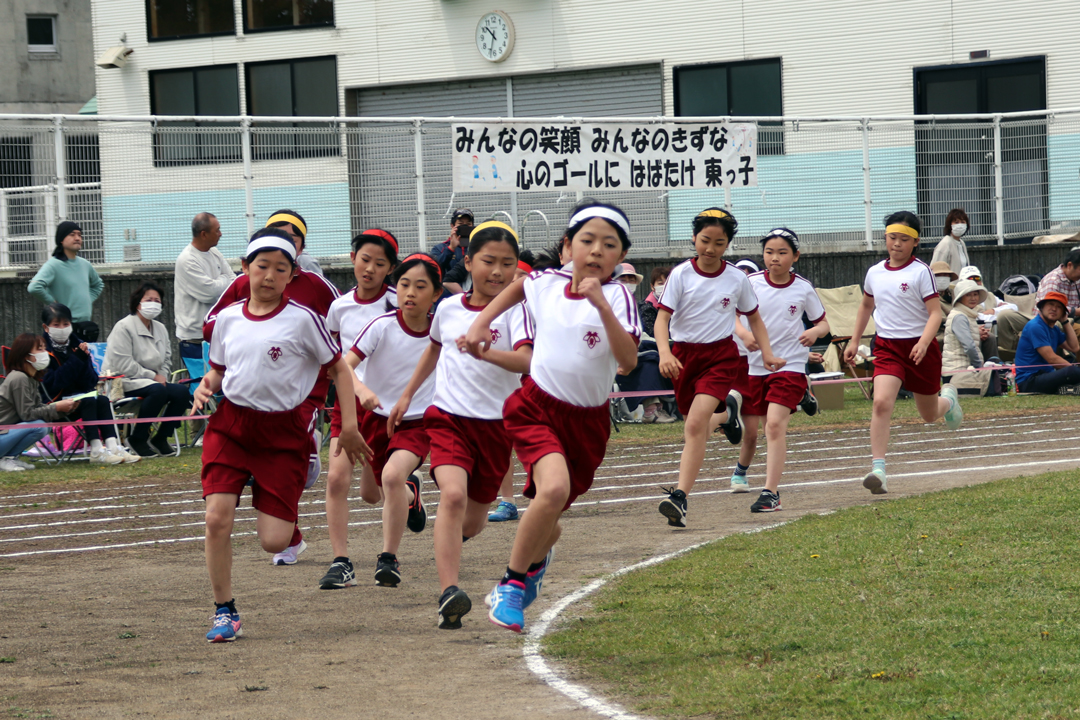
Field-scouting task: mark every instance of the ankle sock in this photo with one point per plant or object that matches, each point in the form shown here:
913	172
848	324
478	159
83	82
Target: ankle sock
388	557
879	464
96	446
511	575
110	443
464	539
741	469
342	558
536	566
231	605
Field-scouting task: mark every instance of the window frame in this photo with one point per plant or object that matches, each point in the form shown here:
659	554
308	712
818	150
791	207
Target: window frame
42	49
203	159
248	30
978	70
167	38
299	150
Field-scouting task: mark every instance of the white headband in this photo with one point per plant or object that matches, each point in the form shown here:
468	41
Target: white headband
271	242
599	211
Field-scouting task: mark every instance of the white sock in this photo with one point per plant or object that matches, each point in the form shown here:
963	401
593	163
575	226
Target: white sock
96	446
111	444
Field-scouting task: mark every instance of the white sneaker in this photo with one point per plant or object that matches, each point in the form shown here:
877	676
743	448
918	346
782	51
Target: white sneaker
8	464
288	555
105	457
315	464
23	464
125	455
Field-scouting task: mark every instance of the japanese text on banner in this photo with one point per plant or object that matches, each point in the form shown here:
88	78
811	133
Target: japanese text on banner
527	157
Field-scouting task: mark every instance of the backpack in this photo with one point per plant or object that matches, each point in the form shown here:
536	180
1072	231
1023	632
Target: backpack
1017	285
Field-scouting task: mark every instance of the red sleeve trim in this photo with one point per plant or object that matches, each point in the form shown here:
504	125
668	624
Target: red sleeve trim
332	363
815	322
358	352
637	338
525	341
435	342
219	368
748	314
930	297
867	294
662	306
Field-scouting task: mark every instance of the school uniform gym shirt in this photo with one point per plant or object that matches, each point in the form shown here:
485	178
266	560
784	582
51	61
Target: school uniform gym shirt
900	296
703	305
782	308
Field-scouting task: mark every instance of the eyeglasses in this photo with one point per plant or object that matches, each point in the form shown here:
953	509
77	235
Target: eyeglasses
976	278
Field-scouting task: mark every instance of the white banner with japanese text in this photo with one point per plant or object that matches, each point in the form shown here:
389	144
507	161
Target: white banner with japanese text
527	157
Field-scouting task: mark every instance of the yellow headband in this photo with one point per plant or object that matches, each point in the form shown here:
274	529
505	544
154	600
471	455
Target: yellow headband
291	219
896	227
491	224
714	213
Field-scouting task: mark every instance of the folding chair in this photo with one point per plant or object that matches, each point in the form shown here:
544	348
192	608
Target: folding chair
841	306
123	408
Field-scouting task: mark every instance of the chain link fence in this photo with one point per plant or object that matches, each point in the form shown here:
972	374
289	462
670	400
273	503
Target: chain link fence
134	184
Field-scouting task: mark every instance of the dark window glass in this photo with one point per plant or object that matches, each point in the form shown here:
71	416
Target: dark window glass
280	14
14	162
195	91
188	18
744	88
297	88
39	32
945	97
83	159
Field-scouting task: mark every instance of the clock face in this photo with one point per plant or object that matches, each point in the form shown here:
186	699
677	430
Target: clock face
495	36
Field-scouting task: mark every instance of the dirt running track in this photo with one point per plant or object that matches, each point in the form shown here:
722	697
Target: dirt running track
105	601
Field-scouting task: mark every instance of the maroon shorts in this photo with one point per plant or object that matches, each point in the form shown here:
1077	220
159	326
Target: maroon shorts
742	380
708	369
480	447
272	447
782	388
893	357
409	436
335	416
539	424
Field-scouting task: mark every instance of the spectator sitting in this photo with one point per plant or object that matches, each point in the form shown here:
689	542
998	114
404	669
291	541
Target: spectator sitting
646	376
961	347
139	349
1038	347
988	312
21	401
71	372
628	276
1061	279
648	307
69	279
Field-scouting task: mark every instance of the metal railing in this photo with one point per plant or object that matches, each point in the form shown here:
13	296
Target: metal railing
136	182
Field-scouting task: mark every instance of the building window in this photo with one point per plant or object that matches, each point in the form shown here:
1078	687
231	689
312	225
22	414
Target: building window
750	88
171	19
41	33
195	91
284	14
83	159
298	88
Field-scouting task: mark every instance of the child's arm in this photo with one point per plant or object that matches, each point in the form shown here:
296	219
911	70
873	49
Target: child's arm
623	345
515	361
670	367
929	332
757	327
480	332
209	386
746	336
820	330
424	367
349	440
862	317
368	400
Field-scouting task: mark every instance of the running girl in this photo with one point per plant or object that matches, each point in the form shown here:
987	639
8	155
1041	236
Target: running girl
374	255
585	328
470	450
901	294
783	298
266	354
697	311
391	344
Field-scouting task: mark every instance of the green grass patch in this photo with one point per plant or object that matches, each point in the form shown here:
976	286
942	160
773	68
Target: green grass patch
959	604
81	471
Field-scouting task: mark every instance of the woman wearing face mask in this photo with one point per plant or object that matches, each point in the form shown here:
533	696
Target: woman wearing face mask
140	350
21	401
71	372
952	249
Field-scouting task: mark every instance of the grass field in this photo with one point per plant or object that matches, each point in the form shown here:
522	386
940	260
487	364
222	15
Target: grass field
960	604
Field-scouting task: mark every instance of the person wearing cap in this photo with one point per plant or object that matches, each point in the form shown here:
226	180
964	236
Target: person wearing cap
291	222
961	347
628	276
452	251
1039	368
70	280
201	274
951	249
1063	279
988	313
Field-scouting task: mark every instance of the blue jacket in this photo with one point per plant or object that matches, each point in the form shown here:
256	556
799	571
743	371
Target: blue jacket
445	257
70	370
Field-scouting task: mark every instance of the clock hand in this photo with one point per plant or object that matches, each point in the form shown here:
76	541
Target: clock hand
493	36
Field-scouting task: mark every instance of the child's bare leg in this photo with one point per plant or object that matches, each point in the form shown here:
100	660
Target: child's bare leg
931	407
885	389
220	512
696	434
751	423
453	499
539	527
338	479
397	496
506	490
476	515
274	533
370	492
776	423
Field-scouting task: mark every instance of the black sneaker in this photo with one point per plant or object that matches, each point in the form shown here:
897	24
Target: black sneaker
162	446
453	604
768	501
733	427
340	575
674	507
417	514
809	404
387	570
141	448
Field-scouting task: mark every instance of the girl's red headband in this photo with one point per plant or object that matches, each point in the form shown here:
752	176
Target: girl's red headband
426	258
524	266
384	235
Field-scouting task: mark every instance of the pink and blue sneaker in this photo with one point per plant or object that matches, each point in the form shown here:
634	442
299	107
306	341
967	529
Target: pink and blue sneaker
535	580
226	626
505	602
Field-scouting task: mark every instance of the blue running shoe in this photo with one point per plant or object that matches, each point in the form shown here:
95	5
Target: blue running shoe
506	610
226	626
503	512
535	580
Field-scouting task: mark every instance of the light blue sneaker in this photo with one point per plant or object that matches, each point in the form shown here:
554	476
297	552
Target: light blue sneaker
875	482
506	606
739	484
954	415
504	511
535	580
226	626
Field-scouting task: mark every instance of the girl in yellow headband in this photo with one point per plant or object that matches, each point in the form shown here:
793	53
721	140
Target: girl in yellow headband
901	294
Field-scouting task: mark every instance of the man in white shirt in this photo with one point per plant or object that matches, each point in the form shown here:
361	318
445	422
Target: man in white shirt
202	274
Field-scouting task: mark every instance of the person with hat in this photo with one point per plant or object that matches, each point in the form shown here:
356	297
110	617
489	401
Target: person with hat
961	347
292	223
452	251
1062	279
944	277
1039	368
628	276
70	280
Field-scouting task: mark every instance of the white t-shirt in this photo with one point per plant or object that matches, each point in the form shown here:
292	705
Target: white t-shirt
392	351
703	305
349	315
572	358
465	386
900	296
782	308
199	278
271	362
